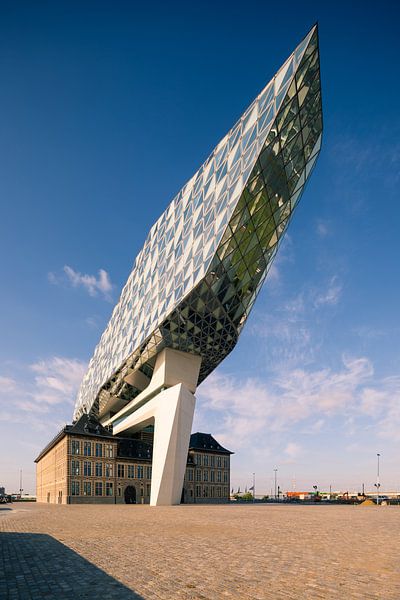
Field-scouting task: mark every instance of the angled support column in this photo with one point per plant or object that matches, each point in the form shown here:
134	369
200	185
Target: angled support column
171	411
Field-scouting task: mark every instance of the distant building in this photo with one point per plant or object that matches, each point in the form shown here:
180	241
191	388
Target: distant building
2	491
299	495
85	463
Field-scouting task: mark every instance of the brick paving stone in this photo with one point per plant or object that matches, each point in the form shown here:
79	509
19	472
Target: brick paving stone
251	552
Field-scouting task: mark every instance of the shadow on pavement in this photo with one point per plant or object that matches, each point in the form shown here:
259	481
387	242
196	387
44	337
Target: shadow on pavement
35	565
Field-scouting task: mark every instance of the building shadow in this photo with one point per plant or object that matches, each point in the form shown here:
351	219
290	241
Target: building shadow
36	565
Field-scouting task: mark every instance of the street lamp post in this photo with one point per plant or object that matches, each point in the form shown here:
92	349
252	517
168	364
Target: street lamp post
377	485
316	492
254	487
275	470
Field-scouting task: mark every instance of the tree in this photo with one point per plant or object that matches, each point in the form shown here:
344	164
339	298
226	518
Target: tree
247	497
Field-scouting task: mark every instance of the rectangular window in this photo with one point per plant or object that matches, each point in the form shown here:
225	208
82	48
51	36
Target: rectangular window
109	451
199	463
148	472
226	491
205	491
109	488
74	488
99	469
131	471
198	475
109	470
226	462
121	471
212	476
140	472
225	477
74	467
218	462
87	448
75	447
205	475
198	491
190	474
99	449
219	476
87	488
205	460
218	492
212	461
148	489
98	488
87	469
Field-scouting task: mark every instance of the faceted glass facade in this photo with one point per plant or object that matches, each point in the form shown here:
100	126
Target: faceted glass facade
195	280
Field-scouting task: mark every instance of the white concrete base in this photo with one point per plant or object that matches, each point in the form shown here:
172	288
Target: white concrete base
171	411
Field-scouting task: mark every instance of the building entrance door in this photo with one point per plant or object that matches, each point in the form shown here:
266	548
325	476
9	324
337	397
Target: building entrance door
130	495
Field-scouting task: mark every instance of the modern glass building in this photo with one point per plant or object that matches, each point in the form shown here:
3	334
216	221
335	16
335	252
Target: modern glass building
197	276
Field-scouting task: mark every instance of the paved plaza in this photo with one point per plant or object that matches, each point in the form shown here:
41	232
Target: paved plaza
199	552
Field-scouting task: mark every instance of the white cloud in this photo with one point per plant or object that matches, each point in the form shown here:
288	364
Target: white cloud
52	278
293	450
322	229
331	295
7	384
57	380
273	273
92	322
314	427
252	407
92	284
54	382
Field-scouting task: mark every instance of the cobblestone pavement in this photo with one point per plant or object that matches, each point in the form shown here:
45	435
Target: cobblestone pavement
199	552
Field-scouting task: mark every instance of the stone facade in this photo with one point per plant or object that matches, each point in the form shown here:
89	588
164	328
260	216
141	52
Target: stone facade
207	476
86	464
52	474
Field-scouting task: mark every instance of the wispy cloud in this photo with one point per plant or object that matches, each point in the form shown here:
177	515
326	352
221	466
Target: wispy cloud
7	384
331	295
253	406
322	229
42	387
92	322
370	333
289	332
292	452
364	154
90	283
57	379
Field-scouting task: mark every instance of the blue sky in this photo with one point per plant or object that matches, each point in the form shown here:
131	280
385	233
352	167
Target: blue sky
106	110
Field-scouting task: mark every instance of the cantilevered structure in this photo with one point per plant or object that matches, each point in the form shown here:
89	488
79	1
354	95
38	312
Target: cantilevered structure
197	276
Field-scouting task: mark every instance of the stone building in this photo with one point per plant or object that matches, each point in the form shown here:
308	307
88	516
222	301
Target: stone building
207	473
85	463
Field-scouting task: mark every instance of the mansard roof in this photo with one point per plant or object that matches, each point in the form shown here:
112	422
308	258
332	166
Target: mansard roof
86	425
205	441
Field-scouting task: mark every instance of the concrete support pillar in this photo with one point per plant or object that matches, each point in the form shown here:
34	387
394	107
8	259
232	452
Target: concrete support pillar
171	411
